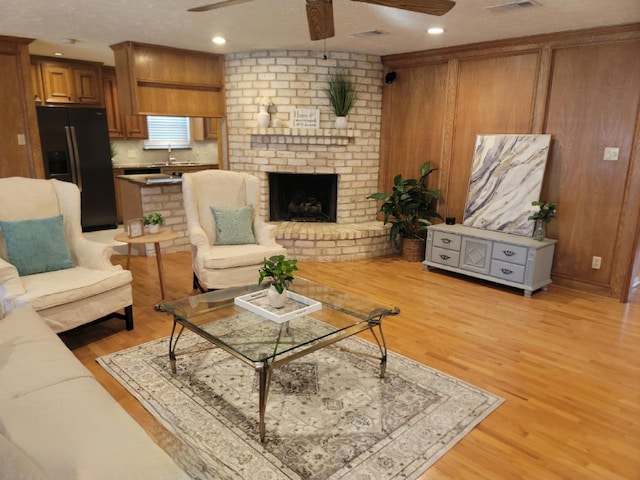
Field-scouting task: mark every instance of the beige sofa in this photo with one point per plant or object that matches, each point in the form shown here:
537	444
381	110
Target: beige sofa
56	421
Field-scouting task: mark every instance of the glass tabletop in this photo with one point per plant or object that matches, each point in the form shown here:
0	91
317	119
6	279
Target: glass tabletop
255	338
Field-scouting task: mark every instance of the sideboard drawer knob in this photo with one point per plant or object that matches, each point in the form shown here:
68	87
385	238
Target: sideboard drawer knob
506	271
446	240
509	253
445	257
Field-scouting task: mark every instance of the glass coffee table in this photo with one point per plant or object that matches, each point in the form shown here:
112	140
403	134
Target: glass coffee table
239	321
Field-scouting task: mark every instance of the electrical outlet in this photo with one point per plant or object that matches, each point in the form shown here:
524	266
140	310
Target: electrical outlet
611	153
596	262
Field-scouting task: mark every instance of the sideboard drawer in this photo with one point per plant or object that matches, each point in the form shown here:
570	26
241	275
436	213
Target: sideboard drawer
510	253
446	240
445	257
507	271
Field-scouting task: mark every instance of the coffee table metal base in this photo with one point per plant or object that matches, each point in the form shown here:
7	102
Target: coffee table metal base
373	323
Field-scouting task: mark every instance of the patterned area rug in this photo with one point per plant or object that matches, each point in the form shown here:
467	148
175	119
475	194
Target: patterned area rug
329	415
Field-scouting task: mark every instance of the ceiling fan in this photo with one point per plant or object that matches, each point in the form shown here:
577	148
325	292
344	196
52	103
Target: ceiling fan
320	12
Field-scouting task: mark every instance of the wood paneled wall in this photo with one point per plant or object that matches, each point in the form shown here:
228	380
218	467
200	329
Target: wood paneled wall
582	87
21	154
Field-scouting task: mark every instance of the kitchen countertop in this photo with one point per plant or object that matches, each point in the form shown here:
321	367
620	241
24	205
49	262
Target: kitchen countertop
152	179
164	165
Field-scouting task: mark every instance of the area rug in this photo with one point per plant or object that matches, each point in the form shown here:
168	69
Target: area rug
329	415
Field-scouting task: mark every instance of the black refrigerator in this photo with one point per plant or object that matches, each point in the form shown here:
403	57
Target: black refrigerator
75	148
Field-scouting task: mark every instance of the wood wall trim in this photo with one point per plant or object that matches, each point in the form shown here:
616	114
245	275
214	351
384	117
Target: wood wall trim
447	135
517	45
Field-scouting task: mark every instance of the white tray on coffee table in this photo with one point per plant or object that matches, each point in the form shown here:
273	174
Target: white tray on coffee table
295	306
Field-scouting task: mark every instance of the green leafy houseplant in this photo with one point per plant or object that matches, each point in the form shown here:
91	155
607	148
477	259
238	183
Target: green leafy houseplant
154	218
280	270
409	205
341	92
543	211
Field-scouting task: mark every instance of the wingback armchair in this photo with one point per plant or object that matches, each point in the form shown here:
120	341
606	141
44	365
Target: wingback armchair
47	263
228	239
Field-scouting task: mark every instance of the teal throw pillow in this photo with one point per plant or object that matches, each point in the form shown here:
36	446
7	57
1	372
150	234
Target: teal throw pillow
234	226
36	246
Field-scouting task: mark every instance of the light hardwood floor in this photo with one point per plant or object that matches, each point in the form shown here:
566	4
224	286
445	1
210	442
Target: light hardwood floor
567	363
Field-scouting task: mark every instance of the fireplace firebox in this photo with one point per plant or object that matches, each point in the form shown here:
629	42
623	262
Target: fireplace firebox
301	197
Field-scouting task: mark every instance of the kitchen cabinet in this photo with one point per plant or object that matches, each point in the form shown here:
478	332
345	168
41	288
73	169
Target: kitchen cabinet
498	257
36	83
204	128
158	80
135	126
120	126
116	184
70	82
110	88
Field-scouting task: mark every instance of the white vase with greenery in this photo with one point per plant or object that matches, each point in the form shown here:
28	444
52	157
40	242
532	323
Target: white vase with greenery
342	95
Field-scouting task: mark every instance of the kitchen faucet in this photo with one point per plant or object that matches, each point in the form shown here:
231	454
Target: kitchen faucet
171	157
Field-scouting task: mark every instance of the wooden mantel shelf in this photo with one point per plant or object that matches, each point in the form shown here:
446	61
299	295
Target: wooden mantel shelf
302	136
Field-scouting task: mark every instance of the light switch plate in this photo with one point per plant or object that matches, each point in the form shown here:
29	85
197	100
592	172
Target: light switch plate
611	153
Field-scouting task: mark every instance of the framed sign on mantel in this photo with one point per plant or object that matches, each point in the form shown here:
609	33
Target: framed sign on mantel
304	118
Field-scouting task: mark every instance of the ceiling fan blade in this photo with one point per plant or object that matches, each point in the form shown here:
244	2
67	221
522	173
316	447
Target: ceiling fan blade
213	6
430	7
320	18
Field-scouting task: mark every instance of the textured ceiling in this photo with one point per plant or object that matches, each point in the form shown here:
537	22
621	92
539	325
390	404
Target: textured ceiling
281	24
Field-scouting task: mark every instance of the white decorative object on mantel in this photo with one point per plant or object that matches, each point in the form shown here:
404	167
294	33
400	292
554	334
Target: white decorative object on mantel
263	117
305	117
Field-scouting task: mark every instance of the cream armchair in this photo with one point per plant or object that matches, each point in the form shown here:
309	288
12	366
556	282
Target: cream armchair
68	279
228	240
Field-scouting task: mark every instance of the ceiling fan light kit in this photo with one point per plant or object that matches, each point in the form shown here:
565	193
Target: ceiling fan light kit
320	12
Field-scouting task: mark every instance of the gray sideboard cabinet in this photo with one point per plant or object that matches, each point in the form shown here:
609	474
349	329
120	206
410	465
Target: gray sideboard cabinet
512	260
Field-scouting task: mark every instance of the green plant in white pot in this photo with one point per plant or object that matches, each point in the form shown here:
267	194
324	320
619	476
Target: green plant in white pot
154	221
280	270
342	95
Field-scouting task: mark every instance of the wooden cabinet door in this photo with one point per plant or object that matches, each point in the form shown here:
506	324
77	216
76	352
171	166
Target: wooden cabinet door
136	126
211	127
57	83
87	90
114	119
36	83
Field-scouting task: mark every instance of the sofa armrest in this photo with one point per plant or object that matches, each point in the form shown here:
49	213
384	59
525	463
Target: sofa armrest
265	232
11	285
94	255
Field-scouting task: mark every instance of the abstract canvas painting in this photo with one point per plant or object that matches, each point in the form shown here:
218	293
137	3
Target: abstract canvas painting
506	176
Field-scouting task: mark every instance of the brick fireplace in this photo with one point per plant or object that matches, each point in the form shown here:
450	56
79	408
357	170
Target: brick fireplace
296	79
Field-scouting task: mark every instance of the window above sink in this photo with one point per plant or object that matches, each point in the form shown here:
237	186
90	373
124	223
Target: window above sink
168	133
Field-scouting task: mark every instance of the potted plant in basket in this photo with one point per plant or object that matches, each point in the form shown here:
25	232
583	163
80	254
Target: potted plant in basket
342	94
280	270
408	208
154	221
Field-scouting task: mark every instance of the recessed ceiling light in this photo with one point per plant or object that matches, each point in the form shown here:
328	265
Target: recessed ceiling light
58	54
219	40
435	30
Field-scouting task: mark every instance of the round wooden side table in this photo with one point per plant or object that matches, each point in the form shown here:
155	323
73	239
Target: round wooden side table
156	238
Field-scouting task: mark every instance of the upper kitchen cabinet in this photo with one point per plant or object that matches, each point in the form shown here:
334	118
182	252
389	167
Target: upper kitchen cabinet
120	126
70	81
158	80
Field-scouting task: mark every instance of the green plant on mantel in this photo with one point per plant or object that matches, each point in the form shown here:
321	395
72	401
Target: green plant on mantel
341	92
280	270
154	218
409	205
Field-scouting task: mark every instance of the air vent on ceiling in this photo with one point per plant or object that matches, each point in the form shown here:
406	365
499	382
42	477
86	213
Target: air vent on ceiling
517	5
369	33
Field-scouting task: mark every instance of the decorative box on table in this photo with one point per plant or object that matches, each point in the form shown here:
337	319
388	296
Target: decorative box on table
295	306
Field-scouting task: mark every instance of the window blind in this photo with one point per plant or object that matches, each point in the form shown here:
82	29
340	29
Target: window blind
165	132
